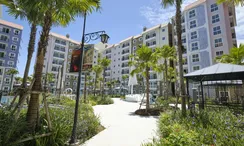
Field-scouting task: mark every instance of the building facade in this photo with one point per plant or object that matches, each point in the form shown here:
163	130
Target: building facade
58	61
208	31
10	37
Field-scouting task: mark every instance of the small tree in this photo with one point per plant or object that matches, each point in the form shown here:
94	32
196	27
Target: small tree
12	72
105	62
124	78
98	70
143	60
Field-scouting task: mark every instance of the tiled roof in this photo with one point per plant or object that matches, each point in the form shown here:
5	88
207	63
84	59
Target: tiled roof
11	24
192	5
64	38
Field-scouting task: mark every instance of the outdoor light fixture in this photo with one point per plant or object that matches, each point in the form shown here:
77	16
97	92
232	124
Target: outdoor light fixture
85	39
104	38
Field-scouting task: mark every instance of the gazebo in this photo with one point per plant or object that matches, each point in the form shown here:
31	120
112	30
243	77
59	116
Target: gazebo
218	75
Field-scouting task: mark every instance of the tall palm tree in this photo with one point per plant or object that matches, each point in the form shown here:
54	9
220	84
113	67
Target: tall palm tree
236	56
18	9
235	2
12	72
143	60
59	12
105	62
98	70
177	4
168	54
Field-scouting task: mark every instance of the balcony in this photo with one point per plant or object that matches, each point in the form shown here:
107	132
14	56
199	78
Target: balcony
57	48
125	65
125	45
125	72
151	44
153	77
150	36
60	42
233	35
108	51
125	58
125	51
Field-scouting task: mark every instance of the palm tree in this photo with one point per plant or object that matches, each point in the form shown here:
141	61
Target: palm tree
104	64
235	2
124	78
18	80
59	12
143	60
168	53
98	70
236	56
177	4
12	72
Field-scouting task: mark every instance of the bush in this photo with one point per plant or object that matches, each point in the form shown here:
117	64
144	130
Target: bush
63	101
204	128
62	121
98	100
11	130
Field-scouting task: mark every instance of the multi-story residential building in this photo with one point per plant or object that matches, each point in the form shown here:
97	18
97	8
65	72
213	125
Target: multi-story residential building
58	61
120	53
10	37
207	32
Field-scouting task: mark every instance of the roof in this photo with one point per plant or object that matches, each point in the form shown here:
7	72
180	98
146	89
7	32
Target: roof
194	4
127	39
155	27
217	72
64	38
137	36
11	24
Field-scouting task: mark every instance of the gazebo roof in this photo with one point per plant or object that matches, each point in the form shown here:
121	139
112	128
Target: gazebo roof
218	72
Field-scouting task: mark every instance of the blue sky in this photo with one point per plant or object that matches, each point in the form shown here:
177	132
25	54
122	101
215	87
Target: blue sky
119	18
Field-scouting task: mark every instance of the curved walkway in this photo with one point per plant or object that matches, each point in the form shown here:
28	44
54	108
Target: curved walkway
122	127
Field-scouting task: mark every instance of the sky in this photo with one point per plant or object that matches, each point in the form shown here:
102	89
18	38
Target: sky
119	18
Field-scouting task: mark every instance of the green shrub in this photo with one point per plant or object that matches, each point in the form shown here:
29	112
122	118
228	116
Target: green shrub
208	127
98	100
11	130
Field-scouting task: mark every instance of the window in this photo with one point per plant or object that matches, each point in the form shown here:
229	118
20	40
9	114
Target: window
2	46
195	58
1	62
13	47
196	68
163	30
193	35
193	24
184	40
16	32
218	42
215	18
12	55
15	39
7	81
194	46
5	30
2	54
216	30
223	93
219	53
183	29
163	38
214	7
10	63
192	13
4	38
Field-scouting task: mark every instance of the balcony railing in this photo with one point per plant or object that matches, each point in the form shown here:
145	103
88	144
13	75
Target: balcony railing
126	51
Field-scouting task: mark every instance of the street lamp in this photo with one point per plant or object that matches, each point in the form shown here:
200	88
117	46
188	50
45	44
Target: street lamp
85	39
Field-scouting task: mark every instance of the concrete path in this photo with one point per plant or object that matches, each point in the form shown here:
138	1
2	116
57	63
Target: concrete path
122	127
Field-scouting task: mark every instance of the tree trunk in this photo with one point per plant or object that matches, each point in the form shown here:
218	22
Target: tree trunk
103	83
147	90
180	62
85	88
33	108
166	79
95	84
12	79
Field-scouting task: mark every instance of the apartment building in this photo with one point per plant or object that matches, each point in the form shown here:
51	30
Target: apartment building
10	37
119	54
208	31
58	61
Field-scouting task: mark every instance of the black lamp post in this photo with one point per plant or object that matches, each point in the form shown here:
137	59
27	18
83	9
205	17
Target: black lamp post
85	39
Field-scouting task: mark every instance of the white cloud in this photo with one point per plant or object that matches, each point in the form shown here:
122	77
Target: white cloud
156	14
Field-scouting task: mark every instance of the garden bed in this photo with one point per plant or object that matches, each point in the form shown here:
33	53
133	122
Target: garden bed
149	112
